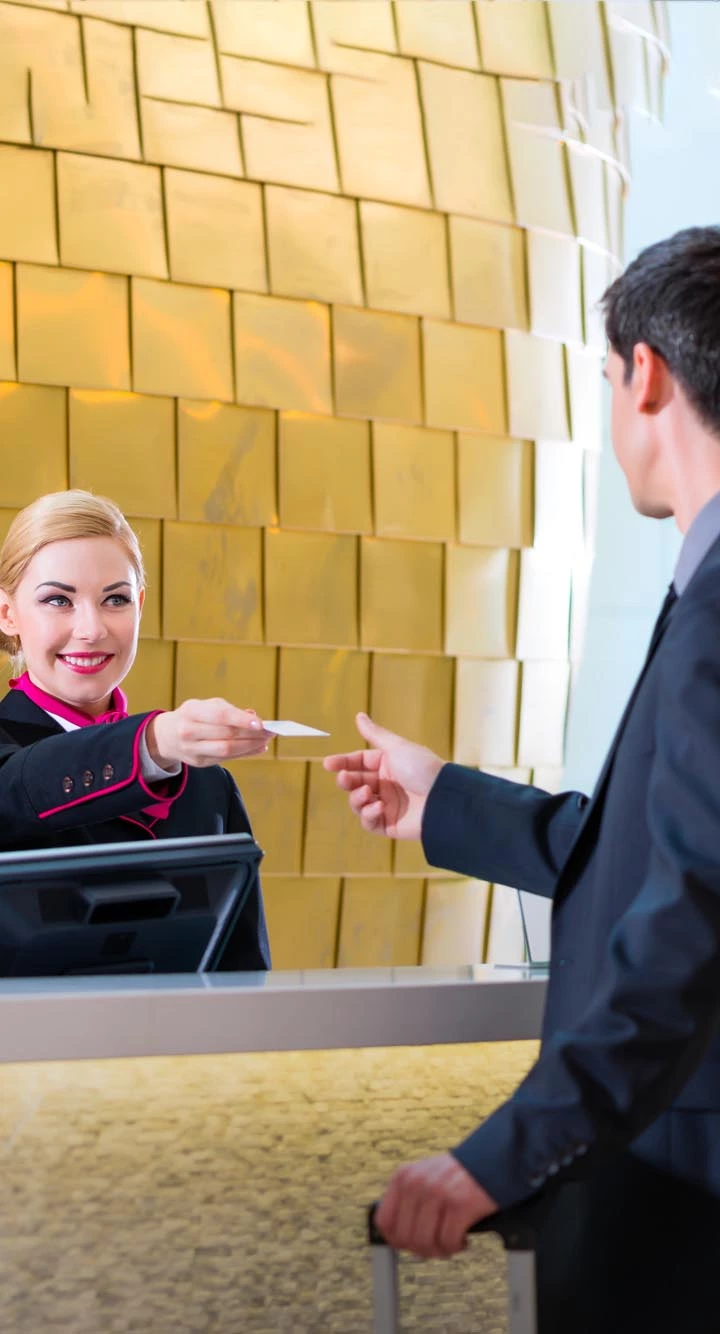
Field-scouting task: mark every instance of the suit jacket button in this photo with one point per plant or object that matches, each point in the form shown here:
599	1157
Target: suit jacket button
108	772
68	783
553	1169
87	778
537	1180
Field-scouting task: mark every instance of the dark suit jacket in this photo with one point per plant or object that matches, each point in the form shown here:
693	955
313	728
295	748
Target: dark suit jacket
60	789
630	1053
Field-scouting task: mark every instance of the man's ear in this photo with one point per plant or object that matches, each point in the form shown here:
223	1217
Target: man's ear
8	624
650	379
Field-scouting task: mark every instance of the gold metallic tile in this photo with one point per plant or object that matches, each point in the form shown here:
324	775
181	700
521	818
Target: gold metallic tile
488	273
325	688
409	859
286	129
149	684
200	138
380	923
554	282
282	353
346	33
486	708
211	582
584	372
401	595
181	340
180	69
559	496
598	273
226	464
244	674
33	442
587	177
463	124
514	39
325	473
543	605
537	391
311	589
380	131
313	245
615	192
377	364
6	518
7	323
464	377
414	482
215	230
495	491
149	534
413	694
543	710
548	777
274	795
27	218
480	601
72	328
111	215
537	155
302	917
123	445
405	259
455	919
14	103
335	842
579	47
86	101
438	31
505	941
188	18
265	32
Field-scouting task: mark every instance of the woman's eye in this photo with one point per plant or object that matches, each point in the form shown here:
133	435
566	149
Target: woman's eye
56	600
118	600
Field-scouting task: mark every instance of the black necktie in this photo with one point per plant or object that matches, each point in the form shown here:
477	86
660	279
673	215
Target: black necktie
663	617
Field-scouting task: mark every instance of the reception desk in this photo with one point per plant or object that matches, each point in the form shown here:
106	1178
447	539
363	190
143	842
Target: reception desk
72	1018
214	1178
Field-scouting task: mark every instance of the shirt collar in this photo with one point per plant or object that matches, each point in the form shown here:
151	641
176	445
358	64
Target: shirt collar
703	531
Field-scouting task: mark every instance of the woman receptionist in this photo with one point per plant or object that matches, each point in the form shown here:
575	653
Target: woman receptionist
75	767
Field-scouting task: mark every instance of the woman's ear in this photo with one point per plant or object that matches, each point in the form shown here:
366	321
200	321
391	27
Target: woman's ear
8	624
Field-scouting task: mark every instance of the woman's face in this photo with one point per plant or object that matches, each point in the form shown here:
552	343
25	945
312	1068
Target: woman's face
76	612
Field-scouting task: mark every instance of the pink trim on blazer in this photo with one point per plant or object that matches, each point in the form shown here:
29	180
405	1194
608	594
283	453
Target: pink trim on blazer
135	776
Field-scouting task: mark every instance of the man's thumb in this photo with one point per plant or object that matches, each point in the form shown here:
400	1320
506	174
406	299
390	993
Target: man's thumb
379	737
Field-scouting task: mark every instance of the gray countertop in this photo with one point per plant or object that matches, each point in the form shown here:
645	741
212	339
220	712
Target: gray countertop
71	1018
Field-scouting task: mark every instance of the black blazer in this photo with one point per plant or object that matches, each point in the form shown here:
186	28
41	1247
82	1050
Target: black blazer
60	789
630	1053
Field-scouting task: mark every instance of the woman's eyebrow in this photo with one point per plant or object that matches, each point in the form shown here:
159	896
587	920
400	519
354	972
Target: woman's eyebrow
121	583
55	583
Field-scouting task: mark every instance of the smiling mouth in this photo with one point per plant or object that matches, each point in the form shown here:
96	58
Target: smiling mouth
85	662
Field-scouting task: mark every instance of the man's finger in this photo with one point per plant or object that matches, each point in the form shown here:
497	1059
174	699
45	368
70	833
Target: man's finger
355	760
379	737
350	782
372	817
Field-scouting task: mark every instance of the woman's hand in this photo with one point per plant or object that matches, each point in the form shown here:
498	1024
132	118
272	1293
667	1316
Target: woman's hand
388	785
201	732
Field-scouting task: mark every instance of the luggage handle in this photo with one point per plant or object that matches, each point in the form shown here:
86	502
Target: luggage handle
516	1226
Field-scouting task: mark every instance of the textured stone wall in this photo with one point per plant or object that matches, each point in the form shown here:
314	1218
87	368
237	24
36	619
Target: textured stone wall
309	289
224	1195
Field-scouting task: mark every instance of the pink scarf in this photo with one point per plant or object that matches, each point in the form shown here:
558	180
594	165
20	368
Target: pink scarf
117	711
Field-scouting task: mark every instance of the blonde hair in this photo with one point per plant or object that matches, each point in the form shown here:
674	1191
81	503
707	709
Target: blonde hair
57	517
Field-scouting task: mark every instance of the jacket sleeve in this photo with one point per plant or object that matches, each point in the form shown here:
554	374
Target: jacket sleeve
248	949
601	1081
75	778
491	829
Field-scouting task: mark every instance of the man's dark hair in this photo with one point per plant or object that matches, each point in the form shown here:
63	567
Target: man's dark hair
669	298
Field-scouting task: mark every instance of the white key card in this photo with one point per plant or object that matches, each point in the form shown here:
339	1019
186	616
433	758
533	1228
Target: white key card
284	727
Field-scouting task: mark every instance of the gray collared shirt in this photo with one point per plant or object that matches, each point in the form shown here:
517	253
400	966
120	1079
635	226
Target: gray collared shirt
703	531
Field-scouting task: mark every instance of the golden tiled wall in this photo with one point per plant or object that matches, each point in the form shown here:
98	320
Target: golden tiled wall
309	289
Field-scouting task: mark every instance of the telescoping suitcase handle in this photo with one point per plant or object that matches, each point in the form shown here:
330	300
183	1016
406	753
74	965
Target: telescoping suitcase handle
517	1229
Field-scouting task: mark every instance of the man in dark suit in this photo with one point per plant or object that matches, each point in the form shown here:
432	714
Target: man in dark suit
618	1121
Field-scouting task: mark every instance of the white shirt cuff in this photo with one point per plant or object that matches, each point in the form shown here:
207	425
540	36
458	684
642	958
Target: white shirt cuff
152	772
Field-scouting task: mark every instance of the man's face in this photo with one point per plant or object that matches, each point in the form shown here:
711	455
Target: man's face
634	437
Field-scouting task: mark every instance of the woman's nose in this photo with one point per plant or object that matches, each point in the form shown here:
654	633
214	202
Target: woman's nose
89	624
